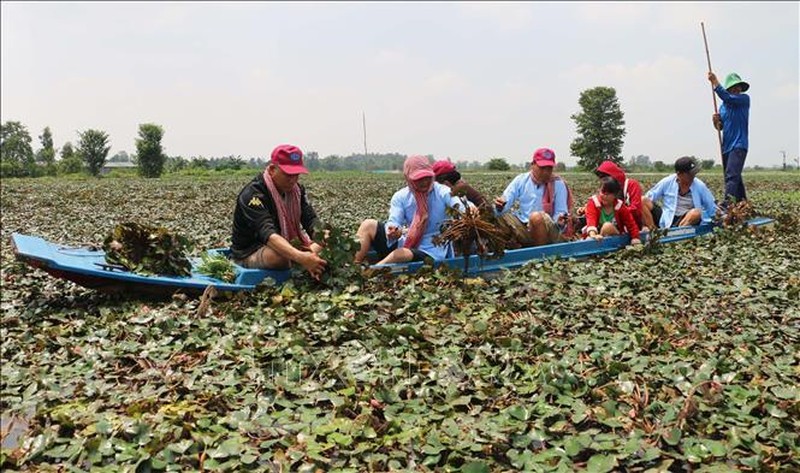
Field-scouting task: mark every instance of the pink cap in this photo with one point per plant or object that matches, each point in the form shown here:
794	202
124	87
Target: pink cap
417	167
289	158
544	157
443	167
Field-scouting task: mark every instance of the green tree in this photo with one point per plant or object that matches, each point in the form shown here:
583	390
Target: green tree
149	153
71	161
498	164
707	164
120	157
600	126
16	154
46	157
93	148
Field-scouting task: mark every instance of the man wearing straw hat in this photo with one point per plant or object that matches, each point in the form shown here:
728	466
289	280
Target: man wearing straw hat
732	120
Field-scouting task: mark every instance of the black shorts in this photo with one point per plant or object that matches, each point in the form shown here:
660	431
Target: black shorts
656	213
380	245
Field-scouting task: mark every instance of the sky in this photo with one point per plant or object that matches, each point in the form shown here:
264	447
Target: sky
466	80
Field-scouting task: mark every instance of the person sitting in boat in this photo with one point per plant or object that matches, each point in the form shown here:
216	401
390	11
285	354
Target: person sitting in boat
631	190
421	207
685	199
272	211
608	215
545	201
447	174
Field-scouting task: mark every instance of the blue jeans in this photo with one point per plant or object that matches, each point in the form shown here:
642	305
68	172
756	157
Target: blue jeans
732	165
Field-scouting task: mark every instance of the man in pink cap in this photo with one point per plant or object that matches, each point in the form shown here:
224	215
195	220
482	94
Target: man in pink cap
419	207
447	174
273	215
545	203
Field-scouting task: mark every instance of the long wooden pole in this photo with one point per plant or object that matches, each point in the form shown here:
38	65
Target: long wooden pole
713	94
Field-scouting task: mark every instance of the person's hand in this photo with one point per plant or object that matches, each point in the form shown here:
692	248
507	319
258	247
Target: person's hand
716	120
393	232
580	211
499	203
474	211
312	263
713	79
597	236
635	241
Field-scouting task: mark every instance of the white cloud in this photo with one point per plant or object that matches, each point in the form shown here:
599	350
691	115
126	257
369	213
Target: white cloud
501	15
787	91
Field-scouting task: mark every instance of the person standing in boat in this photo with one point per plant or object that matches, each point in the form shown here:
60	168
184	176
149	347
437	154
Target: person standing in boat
273	211
545	203
733	119
419	207
447	174
685	199
607	215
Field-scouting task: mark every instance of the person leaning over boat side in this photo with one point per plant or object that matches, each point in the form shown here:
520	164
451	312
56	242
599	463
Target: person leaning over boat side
685	199
271	211
447	174
545	201
607	215
732	120
420	205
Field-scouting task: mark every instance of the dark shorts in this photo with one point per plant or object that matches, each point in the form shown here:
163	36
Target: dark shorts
656	212
381	246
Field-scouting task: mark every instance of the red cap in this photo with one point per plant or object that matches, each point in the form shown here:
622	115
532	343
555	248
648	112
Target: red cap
289	158
544	157
443	167
417	167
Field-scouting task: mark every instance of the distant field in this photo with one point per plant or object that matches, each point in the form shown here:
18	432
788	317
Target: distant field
680	360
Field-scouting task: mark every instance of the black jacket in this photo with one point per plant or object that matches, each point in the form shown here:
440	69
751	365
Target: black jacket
256	218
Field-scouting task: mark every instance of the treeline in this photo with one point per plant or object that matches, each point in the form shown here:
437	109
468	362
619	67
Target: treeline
18	159
90	155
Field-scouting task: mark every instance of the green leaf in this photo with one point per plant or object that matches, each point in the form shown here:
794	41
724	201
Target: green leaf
601	463
476	467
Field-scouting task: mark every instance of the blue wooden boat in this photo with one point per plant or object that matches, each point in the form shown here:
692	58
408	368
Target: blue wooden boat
88	267
572	249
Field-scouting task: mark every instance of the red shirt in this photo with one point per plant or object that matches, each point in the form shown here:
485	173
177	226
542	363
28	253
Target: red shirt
623	218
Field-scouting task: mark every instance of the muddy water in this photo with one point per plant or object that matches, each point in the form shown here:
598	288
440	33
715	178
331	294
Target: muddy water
13	427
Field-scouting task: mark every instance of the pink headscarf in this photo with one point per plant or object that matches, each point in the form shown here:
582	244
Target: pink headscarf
288	211
415	168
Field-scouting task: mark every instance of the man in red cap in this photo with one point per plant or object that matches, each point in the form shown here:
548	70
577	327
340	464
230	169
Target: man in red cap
447	174
545	203
272	212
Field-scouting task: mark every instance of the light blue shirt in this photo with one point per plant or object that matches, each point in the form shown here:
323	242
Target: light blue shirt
530	197
667	192
404	206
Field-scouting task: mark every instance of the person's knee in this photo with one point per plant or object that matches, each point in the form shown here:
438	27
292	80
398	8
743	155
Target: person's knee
368	228
536	219
608	228
647	203
694	215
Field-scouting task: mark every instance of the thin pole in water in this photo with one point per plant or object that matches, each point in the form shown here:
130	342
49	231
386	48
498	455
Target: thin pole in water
364	124
713	94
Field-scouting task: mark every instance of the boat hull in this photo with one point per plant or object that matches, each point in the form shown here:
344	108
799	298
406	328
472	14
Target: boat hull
87	267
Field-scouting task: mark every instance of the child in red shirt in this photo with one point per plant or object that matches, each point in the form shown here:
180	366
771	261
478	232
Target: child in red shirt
607	215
